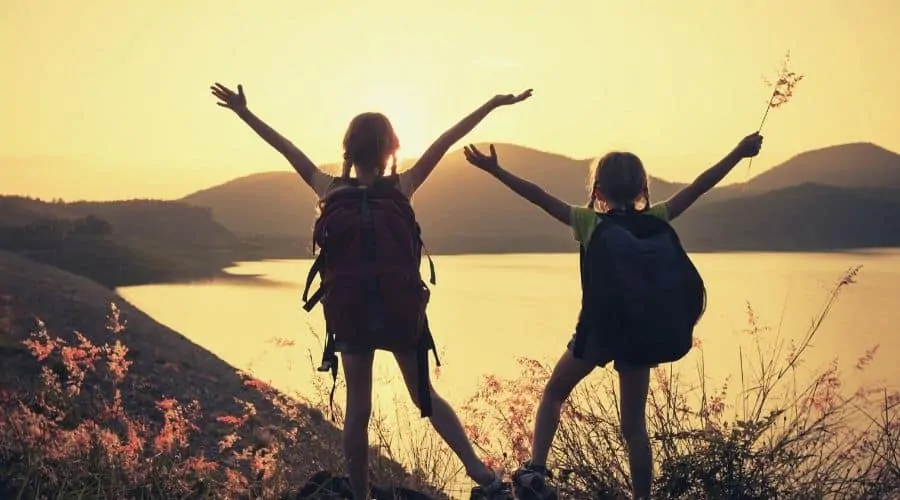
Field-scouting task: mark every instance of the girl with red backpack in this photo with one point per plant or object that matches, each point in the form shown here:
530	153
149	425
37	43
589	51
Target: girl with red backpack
372	292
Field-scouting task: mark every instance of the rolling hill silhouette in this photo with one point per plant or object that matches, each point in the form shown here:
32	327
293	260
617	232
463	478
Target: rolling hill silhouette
460	207
118	243
462	210
856	165
808	217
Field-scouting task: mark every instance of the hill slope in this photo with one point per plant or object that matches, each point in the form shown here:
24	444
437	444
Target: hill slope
165	364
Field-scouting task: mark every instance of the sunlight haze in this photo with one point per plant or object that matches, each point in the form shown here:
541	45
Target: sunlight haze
108	100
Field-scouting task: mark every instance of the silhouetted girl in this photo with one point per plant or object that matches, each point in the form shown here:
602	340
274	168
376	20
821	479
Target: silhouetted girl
375	303
619	185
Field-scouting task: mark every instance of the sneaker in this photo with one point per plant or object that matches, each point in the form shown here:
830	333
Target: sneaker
497	490
530	482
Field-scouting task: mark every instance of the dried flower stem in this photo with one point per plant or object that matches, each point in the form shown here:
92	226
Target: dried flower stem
783	90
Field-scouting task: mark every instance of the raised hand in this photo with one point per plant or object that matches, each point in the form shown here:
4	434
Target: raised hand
480	160
228	99
507	99
749	146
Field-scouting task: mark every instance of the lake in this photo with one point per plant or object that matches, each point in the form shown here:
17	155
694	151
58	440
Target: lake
487	310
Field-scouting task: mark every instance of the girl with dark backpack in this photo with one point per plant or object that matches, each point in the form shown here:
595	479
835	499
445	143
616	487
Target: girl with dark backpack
372	291
641	296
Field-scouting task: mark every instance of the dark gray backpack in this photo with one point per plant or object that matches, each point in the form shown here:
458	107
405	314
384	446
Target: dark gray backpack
641	294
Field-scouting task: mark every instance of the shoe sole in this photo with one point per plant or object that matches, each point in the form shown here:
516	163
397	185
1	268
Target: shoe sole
533	488
505	493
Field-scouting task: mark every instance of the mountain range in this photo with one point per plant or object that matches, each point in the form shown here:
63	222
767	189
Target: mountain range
845	196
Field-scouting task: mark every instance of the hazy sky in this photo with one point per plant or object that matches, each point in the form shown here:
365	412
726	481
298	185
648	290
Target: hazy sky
109	99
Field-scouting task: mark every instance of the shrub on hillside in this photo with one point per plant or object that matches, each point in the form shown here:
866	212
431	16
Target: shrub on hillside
71	436
775	437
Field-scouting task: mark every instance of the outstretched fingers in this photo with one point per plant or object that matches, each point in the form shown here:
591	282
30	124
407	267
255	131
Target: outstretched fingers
218	87
473	154
479	159
470	155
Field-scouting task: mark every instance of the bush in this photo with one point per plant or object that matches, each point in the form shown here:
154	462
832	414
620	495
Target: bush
786	439
72	437
773	437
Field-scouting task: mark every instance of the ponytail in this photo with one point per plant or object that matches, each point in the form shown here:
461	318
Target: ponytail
646	194
393	166
348	163
590	203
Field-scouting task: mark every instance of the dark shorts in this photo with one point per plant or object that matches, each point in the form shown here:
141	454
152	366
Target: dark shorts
346	348
601	356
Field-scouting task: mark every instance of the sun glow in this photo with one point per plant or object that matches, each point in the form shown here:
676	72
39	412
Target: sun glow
404	109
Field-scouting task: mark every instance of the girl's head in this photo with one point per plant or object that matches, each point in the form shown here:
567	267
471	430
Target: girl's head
619	180
368	144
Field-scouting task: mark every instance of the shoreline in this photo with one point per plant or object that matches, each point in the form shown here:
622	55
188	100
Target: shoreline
221	274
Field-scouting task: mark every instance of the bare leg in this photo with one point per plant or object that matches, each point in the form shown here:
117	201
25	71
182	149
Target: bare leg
633	386
358	371
445	422
569	371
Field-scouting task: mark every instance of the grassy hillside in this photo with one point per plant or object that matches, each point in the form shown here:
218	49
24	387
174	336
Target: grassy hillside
133	409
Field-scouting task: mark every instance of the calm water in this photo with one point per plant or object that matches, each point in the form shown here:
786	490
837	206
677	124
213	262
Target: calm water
488	310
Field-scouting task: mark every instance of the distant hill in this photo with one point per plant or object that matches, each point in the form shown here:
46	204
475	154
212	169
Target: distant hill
808	217
462	210
857	165
460	207
118	243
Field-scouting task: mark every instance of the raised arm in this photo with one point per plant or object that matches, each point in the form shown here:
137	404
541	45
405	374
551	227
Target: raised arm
426	163
557	208
747	148
237	102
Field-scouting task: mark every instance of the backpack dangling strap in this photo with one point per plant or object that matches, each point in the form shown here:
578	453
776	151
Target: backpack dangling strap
310	302
429	338
426	343
330	363
433	278
424	382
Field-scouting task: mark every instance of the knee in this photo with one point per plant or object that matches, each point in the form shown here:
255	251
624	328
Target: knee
634	431
358	414
556	392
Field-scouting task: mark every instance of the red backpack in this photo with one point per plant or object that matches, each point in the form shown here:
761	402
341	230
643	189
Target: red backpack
372	290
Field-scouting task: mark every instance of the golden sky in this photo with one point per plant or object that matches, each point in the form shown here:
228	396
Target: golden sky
109	99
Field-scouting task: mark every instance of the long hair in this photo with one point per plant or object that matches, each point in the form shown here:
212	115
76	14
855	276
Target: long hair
368	143
621	180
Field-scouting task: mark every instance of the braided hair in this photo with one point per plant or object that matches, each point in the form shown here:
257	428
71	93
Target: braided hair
621	180
368	143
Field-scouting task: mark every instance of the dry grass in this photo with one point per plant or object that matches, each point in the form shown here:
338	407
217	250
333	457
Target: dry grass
775	436
780	432
71	436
